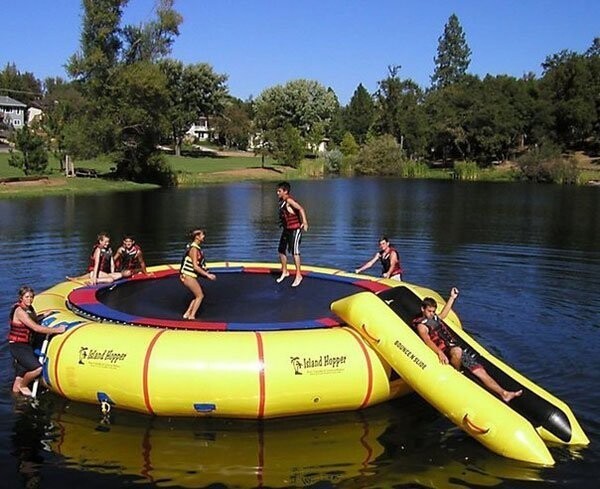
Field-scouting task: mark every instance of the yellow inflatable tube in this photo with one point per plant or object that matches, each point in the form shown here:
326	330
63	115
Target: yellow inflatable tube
470	407
516	430
254	374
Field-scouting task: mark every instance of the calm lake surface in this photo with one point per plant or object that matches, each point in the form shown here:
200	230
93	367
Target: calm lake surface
525	258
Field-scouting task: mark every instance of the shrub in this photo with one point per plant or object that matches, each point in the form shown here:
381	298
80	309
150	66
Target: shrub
32	156
414	169
546	165
381	155
333	161
466	170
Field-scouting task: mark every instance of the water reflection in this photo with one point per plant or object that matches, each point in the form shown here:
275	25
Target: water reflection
390	444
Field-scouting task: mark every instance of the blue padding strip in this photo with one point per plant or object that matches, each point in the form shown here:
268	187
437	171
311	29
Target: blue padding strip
103	311
226	269
273	326
328	276
205	408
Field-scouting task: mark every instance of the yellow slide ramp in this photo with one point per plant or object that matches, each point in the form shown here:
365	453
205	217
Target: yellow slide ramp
471	407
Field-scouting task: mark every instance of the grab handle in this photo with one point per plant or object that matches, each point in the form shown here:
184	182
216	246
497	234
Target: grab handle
473	427
372	338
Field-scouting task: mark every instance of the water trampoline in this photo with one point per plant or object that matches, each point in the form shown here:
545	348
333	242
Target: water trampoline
257	350
263	350
243	298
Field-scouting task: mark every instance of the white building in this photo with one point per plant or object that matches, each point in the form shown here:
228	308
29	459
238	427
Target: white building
12	112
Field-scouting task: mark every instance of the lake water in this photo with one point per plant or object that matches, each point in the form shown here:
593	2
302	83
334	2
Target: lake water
526	259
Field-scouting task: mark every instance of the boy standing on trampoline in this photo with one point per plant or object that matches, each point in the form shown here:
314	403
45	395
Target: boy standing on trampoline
292	218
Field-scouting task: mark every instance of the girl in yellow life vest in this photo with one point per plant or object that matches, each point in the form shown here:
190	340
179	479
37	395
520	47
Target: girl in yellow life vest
192	266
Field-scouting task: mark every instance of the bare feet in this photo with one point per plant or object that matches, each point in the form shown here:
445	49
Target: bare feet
297	281
25	391
508	396
282	277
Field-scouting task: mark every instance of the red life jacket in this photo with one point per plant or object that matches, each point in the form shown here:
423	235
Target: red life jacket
386	262
288	220
128	258
19	332
105	255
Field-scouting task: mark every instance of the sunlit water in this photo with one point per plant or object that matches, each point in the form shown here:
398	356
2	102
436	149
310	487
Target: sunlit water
525	258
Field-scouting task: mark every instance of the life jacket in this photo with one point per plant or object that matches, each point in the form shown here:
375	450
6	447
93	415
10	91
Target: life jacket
287	219
187	265
105	256
128	258
19	332
386	261
438	332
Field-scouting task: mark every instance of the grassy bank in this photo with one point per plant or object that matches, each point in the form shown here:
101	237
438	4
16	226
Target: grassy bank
194	171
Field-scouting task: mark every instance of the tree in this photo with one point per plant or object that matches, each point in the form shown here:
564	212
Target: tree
453	55
234	126
24	87
300	103
400	112
303	105
125	94
62	104
288	146
32	157
100	45
571	82
152	41
194	91
359	115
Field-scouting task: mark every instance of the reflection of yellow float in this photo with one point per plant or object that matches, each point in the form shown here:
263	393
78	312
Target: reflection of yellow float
331	449
248	374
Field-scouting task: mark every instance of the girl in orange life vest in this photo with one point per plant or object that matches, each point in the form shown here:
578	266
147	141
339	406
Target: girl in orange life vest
193	265
389	258
23	321
293	220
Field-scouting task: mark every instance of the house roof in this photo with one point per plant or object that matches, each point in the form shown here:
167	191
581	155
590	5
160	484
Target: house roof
10	102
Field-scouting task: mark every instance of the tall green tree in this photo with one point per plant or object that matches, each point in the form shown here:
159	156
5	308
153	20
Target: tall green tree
359	115
194	91
453	55
400	112
571	83
299	103
100	45
234	125
125	94
153	40
303	105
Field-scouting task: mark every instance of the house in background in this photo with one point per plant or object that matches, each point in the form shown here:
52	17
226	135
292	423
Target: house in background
201	131
12	112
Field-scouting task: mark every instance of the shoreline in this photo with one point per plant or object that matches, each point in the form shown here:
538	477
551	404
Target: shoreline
45	185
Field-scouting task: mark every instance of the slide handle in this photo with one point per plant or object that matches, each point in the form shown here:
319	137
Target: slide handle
473	427
368	335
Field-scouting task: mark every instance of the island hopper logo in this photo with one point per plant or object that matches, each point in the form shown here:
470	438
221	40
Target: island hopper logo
107	358
322	364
